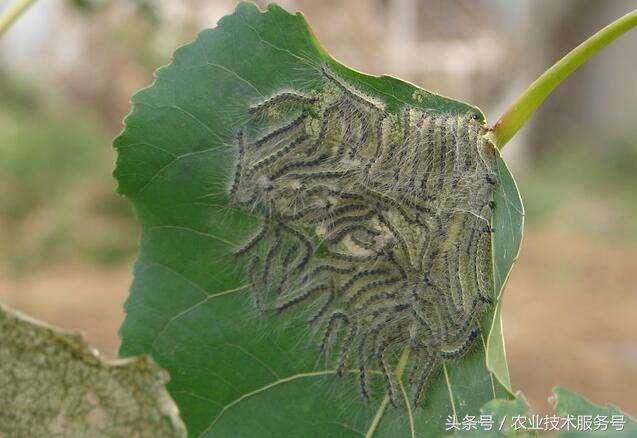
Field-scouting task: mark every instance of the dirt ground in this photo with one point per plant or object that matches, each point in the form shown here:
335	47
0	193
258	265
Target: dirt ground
570	319
570	314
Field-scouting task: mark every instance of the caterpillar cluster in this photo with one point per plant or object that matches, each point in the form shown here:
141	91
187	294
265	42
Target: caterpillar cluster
378	222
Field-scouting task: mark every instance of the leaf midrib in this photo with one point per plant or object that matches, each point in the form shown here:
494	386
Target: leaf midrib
373	425
398	372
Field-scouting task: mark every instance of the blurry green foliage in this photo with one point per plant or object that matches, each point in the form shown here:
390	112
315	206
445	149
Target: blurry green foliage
56	194
587	187
86	5
148	8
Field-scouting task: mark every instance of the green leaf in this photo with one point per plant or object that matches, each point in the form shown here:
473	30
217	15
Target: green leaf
574	417
569	403
233	371
508	224
53	384
503	412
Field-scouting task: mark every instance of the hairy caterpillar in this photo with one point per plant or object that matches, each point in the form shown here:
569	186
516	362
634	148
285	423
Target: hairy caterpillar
381	218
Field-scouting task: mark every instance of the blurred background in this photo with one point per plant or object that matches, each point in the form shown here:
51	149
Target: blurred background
67	241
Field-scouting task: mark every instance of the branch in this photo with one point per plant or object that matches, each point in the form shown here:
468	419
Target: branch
13	13
523	108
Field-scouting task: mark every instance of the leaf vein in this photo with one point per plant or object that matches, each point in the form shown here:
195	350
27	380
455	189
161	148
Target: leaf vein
265	388
234	73
192	230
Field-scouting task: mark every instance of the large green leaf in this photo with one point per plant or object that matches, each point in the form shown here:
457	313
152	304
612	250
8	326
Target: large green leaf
235	372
